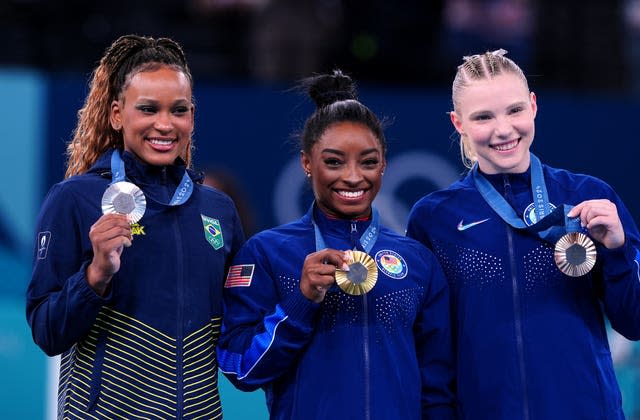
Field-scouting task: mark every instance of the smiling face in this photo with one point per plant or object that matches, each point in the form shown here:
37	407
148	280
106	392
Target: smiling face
156	115
495	117
346	165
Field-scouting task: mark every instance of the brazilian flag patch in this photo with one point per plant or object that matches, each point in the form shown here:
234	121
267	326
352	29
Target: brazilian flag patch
212	231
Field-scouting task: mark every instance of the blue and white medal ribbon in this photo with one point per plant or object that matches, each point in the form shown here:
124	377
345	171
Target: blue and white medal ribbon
575	253
126	198
363	272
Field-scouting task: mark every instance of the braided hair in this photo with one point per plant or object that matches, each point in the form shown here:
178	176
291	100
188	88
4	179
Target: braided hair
480	67
127	56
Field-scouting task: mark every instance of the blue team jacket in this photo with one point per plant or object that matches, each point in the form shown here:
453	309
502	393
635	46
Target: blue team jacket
147	349
530	341
382	355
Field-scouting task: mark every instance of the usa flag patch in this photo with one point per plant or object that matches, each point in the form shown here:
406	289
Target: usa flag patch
239	275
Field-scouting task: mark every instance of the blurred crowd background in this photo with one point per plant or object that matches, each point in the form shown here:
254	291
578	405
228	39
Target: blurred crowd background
413	41
584	56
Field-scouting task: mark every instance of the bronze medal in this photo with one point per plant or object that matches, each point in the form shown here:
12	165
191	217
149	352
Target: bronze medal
124	198
575	254
361	277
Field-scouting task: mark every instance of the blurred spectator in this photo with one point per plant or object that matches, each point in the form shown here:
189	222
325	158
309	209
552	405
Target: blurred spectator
563	44
225	181
632	20
475	26
291	39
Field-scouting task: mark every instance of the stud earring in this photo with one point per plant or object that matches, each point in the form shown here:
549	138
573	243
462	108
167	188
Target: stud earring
308	174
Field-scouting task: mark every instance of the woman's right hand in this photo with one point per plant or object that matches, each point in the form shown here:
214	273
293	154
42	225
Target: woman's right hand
109	235
319	272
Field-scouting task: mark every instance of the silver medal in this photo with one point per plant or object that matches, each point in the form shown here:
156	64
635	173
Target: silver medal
124	198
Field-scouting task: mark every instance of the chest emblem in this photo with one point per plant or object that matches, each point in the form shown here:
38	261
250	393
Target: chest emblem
392	264
212	231
530	217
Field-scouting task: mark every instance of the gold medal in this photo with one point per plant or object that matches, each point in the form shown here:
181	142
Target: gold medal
124	198
575	254
361	277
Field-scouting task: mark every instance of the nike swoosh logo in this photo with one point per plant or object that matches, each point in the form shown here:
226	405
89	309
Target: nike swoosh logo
462	226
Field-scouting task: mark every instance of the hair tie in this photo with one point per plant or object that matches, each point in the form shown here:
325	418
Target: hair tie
499	53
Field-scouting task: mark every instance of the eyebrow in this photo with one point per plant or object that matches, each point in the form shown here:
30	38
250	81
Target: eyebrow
144	99
486	111
341	153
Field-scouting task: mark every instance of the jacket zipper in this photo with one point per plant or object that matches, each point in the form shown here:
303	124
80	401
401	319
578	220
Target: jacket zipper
517	311
365	335
367	376
180	308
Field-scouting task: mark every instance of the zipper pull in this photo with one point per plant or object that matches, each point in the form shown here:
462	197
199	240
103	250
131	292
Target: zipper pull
507	185
354	234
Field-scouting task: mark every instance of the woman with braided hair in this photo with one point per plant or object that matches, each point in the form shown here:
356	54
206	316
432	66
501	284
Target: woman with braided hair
131	249
535	257
334	315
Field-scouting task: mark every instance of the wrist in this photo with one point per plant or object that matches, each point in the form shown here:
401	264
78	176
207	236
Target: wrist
97	280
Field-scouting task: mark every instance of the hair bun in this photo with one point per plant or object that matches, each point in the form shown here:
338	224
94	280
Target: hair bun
329	88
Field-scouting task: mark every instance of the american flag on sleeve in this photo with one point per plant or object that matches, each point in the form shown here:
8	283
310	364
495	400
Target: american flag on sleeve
239	275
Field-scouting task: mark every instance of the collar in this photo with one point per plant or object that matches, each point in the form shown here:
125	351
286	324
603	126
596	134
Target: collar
334	226
519	181
139	172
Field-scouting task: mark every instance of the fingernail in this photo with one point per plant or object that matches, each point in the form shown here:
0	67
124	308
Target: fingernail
345	267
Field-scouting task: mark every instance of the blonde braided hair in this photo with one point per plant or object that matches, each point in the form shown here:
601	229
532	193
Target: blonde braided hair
479	67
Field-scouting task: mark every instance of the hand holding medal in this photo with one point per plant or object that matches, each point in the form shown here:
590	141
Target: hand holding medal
575	253
361	276
318	272
122	197
601	219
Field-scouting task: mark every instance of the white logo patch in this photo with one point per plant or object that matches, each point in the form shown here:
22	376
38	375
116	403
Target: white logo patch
44	239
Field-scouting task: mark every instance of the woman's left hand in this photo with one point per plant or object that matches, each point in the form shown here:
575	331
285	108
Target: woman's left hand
601	219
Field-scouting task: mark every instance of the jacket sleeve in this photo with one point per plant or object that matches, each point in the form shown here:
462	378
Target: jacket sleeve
263	332
433	345
416	224
619	271
60	305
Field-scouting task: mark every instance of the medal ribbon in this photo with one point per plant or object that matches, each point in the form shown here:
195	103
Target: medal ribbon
367	240
180	196
549	226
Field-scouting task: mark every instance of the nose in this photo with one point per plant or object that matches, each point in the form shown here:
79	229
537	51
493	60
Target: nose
504	128
163	122
352	174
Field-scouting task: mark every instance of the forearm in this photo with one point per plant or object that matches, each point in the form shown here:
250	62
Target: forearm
60	318
254	355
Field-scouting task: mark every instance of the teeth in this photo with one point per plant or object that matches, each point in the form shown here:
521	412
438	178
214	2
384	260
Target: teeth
506	146
351	194
161	142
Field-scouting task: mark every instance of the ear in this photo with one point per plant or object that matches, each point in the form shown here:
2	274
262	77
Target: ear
456	121
534	103
115	115
305	162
